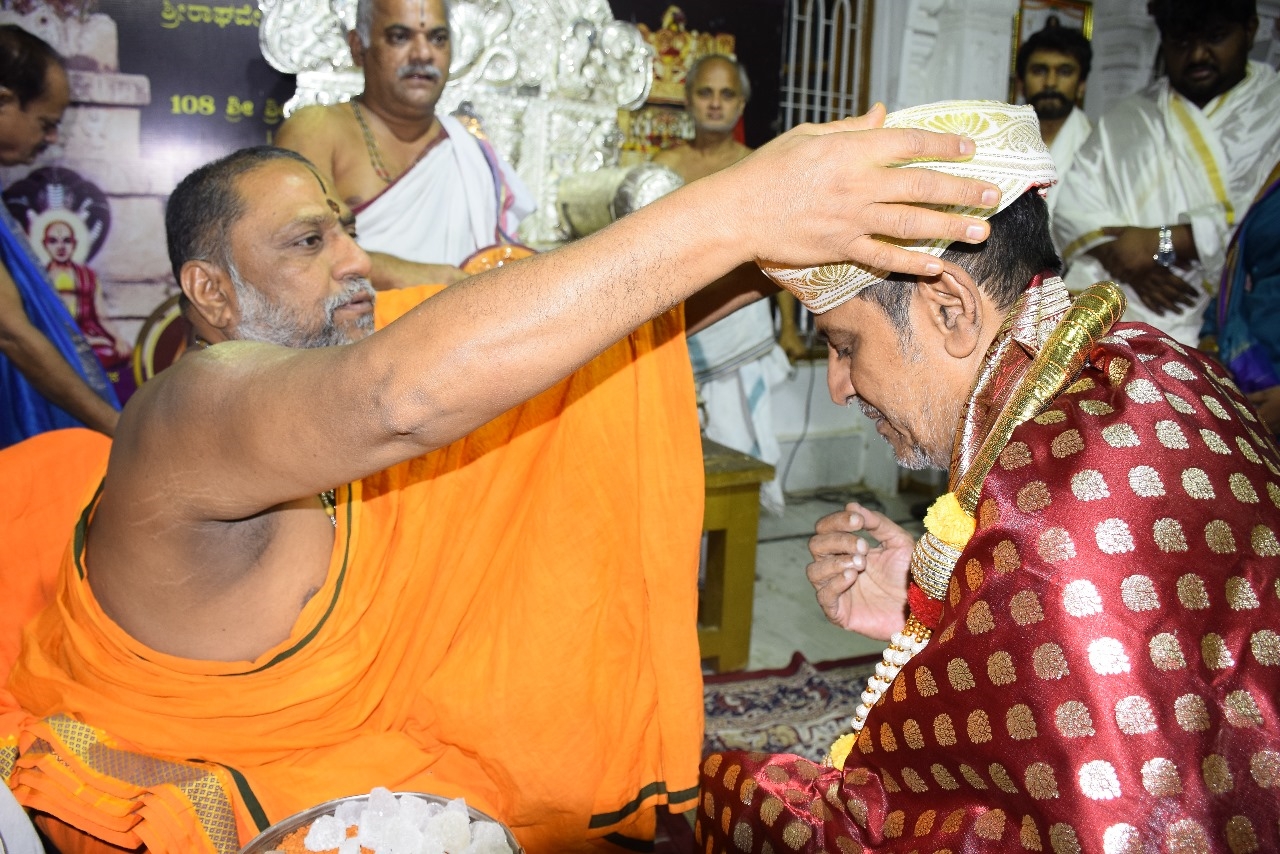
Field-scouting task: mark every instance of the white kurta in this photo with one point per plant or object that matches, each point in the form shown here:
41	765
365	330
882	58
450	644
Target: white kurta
1072	134
1156	159
446	206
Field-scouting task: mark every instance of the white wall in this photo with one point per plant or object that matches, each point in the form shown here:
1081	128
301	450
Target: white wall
836	446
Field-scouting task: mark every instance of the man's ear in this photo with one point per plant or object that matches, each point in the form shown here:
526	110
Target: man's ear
208	287
357	48
1084	84
8	97
954	309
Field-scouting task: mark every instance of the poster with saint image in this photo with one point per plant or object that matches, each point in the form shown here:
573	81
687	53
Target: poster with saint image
157	88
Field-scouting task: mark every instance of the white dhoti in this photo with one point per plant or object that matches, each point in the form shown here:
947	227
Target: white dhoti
736	361
458	198
1157	159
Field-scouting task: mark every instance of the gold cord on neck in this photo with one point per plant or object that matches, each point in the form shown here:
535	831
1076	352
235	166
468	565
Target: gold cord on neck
371	144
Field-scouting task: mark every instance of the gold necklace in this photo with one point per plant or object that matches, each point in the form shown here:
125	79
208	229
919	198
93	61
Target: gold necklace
371	144
329	500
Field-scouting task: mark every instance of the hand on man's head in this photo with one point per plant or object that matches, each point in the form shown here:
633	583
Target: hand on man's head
821	193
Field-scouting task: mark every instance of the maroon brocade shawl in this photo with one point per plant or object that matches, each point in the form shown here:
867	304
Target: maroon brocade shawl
1106	672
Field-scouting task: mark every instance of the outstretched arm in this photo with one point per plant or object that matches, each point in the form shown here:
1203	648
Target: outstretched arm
391	272
293	422
737	289
44	367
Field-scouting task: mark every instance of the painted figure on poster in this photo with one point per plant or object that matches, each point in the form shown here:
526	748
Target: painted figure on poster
67	218
77	285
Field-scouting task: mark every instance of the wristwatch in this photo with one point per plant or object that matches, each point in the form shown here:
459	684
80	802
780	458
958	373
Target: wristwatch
1165	255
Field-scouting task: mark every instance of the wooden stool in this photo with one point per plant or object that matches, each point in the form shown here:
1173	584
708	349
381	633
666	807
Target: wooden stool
729	554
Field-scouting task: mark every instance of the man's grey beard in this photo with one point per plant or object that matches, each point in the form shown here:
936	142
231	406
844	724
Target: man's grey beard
916	457
271	323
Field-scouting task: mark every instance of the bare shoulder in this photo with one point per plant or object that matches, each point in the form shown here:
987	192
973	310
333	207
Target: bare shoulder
316	131
319	117
163	418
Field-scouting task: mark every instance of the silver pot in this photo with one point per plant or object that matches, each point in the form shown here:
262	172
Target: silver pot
268	839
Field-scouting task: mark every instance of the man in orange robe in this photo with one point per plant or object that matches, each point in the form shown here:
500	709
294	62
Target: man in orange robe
498	603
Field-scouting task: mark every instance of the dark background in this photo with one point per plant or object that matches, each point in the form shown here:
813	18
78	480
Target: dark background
197	59
758	28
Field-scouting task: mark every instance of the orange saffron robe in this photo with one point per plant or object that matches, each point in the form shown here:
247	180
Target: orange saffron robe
43	478
511	618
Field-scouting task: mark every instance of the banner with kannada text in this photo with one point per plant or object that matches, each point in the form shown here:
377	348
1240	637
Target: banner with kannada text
158	88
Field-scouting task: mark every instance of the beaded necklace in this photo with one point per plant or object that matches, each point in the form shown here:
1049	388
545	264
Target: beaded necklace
371	144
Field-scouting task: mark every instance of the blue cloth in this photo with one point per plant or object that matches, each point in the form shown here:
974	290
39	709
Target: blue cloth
1246	315
17	833
25	411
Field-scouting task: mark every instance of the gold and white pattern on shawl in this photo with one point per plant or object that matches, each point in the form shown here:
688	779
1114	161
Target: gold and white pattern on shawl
1009	153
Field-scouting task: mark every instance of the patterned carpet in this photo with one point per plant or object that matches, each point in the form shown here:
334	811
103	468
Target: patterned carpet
799	709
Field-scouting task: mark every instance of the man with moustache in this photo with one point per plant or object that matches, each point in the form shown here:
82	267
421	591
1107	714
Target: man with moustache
49	376
1154	194
427	193
1053	70
457	555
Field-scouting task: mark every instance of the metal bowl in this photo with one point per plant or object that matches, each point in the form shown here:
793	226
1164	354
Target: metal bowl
274	835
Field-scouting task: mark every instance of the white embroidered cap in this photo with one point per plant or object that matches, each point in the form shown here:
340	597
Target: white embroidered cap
1009	153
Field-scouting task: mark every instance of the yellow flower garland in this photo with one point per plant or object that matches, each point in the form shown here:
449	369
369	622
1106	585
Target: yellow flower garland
841	749
947	521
